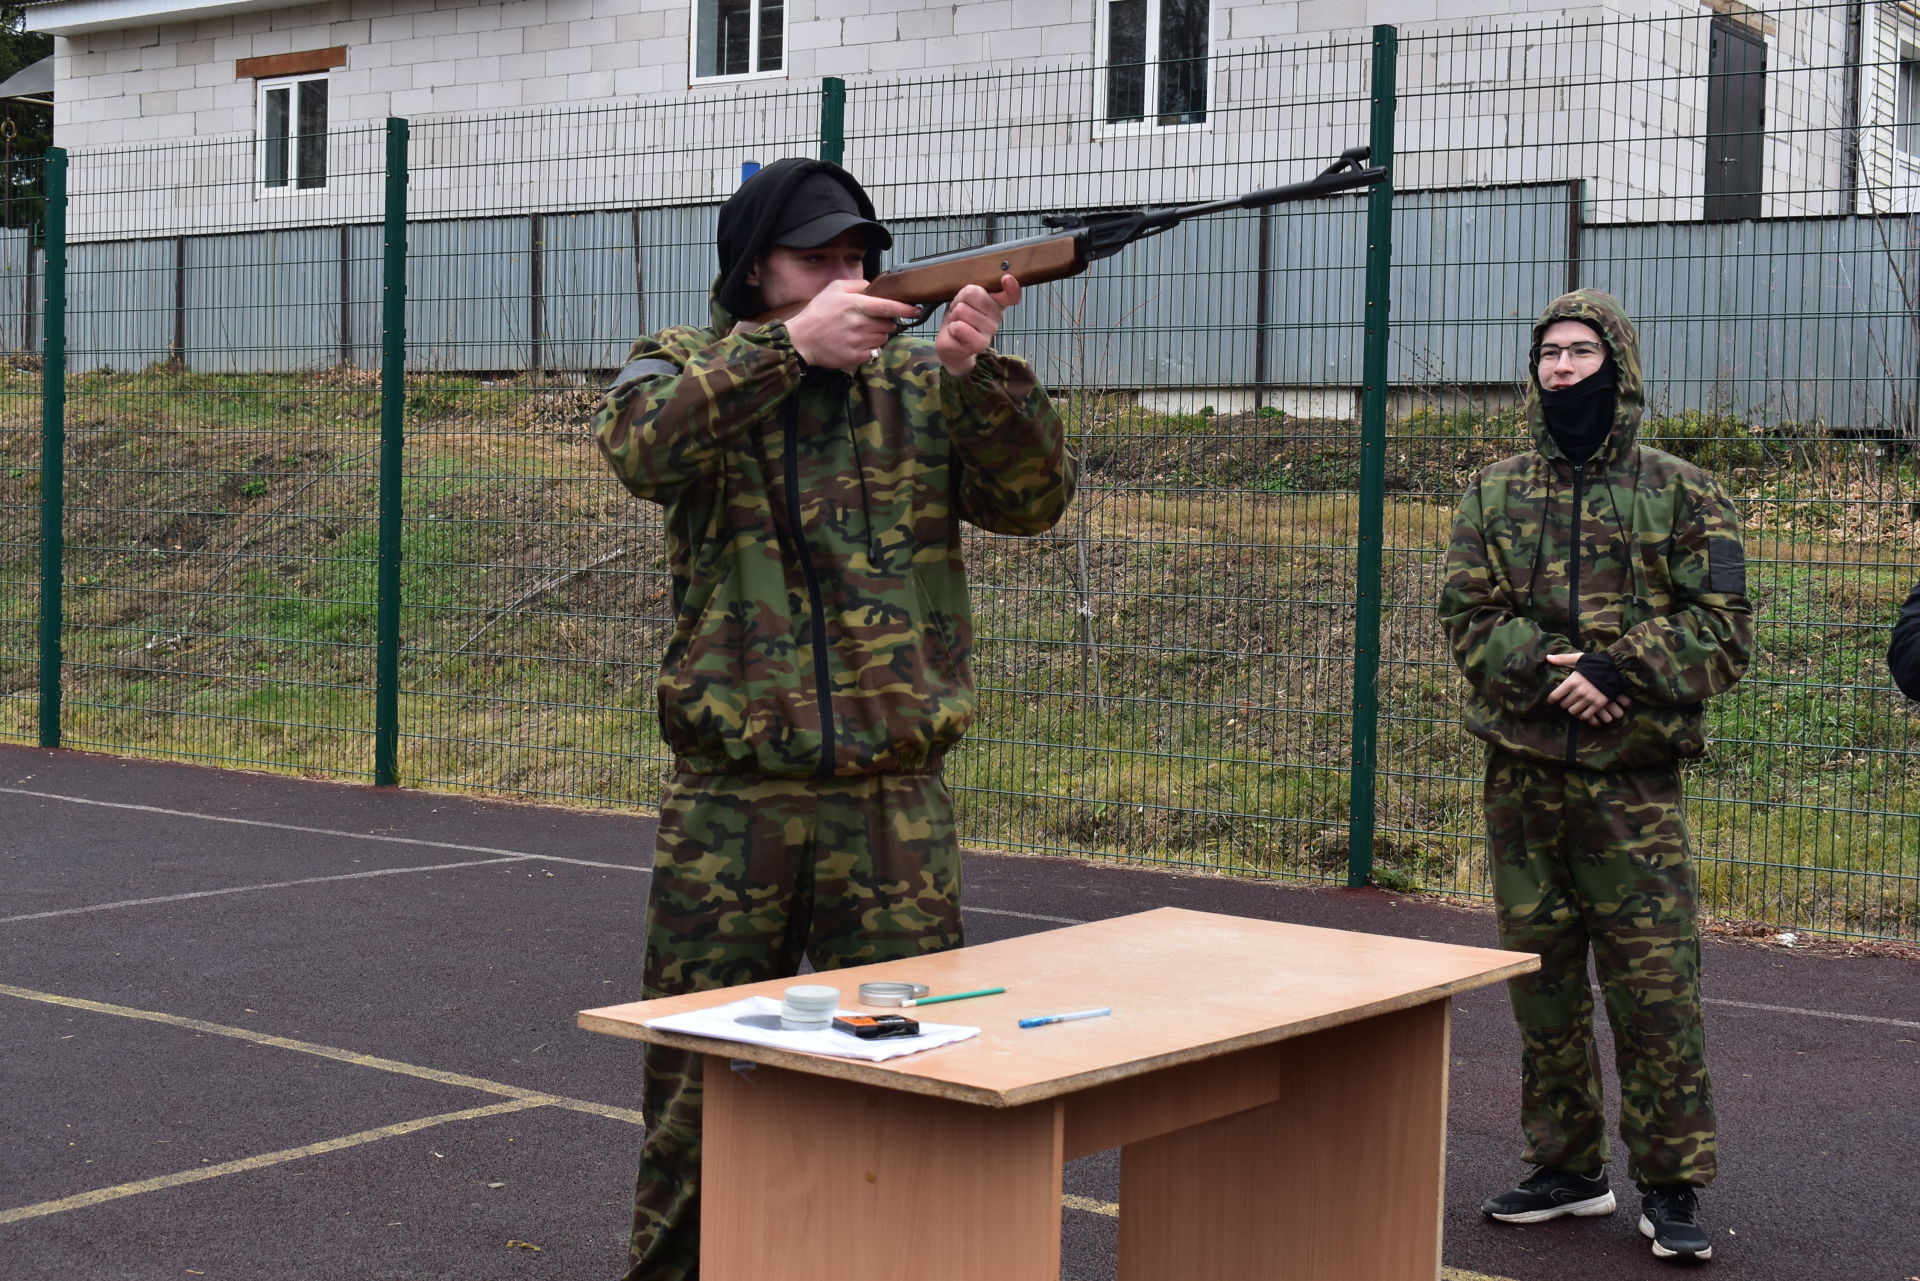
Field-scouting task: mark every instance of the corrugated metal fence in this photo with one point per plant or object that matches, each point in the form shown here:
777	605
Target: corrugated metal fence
1470	267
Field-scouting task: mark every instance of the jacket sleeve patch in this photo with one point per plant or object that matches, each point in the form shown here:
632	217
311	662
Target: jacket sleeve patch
646	367
1726	567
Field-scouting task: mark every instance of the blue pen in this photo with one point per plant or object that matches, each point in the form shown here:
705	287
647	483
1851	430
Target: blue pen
1045	1019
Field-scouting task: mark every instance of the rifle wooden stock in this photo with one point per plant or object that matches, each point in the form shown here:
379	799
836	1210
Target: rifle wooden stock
1032	261
935	280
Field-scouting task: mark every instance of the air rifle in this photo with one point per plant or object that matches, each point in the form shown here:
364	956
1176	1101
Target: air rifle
1081	239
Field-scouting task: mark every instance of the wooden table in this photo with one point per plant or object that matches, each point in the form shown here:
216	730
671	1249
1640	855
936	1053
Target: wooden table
1278	1093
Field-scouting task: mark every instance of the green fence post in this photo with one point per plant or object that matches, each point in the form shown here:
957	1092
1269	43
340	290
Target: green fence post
1373	465
53	445
833	119
393	421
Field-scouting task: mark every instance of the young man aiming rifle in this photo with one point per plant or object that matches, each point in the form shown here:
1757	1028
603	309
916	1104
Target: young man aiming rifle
814	465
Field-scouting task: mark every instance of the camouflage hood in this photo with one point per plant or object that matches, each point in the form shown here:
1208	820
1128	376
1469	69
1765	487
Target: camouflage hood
1604	313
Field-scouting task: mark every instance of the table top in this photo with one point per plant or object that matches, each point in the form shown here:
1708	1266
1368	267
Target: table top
1183	986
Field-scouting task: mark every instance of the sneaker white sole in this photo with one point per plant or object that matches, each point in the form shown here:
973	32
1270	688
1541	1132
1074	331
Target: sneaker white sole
1661	1251
1592	1207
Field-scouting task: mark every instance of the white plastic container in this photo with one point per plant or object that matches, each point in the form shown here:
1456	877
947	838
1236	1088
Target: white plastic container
808	1008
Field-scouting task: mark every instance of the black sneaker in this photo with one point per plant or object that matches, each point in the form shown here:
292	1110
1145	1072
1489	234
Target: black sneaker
1671	1216
1548	1193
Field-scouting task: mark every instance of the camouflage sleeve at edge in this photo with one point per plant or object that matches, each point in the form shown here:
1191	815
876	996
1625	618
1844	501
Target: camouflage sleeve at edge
1903	651
1702	648
1503	654
669	418
1016	474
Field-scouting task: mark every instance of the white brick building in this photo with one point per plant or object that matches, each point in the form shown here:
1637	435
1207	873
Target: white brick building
194	115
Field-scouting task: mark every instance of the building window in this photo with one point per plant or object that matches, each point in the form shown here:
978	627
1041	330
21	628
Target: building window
738	38
1906	103
293	133
1157	61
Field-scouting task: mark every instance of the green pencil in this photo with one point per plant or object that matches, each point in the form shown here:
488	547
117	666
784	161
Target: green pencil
956	996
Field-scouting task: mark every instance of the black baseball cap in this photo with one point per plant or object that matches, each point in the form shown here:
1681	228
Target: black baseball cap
798	202
821	208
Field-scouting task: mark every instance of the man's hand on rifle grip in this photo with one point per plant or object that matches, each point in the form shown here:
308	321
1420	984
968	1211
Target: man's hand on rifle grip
972	319
842	328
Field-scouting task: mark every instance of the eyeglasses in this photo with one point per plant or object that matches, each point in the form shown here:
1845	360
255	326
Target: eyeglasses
1578	350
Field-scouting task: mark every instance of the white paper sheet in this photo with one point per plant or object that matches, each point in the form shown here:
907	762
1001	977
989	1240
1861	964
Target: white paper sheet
756	1021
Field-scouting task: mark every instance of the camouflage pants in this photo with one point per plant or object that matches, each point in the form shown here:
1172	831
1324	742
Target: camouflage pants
1599	859
750	875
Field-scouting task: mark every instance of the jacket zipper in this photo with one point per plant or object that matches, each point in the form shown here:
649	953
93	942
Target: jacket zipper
1573	595
818	621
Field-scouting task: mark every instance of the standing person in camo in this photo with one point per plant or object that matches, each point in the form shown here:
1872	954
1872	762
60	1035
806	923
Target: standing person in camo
1596	595
815	465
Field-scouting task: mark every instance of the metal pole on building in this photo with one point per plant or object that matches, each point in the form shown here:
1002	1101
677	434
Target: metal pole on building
1373	469
1850	108
393	410
53	445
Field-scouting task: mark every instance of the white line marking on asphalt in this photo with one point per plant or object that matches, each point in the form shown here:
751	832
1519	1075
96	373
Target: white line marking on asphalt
522	855
244	889
1815	1014
1109	1208
320	831
354	1057
1025	916
201	1173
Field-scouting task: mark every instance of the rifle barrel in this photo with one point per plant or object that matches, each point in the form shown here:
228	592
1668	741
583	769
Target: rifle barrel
1055	255
1325	184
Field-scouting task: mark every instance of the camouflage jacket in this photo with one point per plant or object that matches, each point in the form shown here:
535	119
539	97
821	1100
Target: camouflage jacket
1658	571
813	534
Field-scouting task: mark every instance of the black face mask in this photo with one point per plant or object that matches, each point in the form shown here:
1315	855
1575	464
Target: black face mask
1579	417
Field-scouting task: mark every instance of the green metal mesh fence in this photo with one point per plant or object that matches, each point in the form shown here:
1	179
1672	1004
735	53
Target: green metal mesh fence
535	593
20	427
1166	676
1176	674
220	455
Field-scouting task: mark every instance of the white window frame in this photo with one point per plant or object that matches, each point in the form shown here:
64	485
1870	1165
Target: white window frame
291	187
1149	122
1909	59
753	44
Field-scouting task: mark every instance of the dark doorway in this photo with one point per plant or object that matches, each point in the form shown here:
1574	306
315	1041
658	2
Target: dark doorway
1736	119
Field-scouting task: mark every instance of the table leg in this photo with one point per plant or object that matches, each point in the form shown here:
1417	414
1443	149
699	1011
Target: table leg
808	1178
1340	1179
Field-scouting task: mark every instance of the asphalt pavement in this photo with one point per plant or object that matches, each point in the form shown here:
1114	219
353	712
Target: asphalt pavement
264	1027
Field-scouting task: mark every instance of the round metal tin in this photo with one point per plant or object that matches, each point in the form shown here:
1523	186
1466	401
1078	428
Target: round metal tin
891	993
